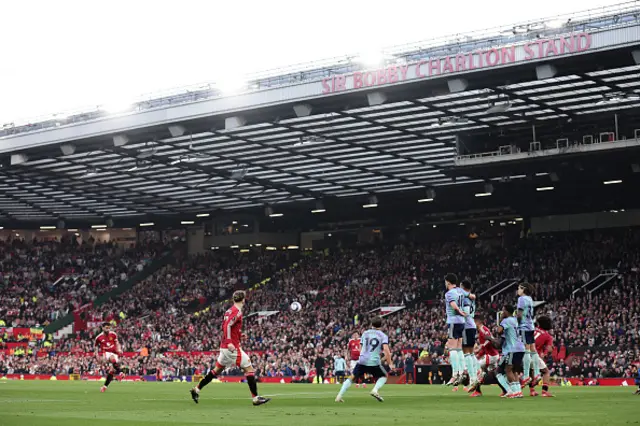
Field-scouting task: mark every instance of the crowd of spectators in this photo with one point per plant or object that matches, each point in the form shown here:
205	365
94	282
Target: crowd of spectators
41	281
338	290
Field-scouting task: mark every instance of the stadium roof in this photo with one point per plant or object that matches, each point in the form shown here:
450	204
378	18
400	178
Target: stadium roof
346	149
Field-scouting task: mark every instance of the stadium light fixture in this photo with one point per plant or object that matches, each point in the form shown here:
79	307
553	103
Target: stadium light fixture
147	224
372	203
98	226
72	230
519	219
234	246
47	228
318	211
276	215
319	208
244	250
293	247
1	227
545	188
258	245
612	182
202	215
483	194
187	222
271	248
425	200
215	248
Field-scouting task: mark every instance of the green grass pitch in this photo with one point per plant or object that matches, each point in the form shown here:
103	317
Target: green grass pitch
27	403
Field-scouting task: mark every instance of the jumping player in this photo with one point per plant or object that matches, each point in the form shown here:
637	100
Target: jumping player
231	353
354	354
512	353
526	329
544	345
455	321
487	355
470	332
107	343
373	341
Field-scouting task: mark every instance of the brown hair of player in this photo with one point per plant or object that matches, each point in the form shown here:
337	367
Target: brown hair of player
239	296
376	321
526	288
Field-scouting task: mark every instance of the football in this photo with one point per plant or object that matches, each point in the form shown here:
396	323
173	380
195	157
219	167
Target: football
296	306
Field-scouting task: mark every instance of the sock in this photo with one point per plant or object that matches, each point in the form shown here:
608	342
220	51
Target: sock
253	386
545	387
502	379
471	367
116	367
515	387
206	380
501	387
536	364
478	386
379	383
476	365
453	360
344	387
526	365
109	379
459	361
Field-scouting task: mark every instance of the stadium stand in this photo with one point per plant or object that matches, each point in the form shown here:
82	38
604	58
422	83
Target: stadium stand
164	325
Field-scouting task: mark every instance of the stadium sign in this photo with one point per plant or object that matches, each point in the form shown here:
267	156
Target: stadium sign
461	62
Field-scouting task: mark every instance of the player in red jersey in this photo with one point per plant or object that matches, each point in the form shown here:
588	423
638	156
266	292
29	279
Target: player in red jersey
231	353
354	354
107	343
487	355
544	345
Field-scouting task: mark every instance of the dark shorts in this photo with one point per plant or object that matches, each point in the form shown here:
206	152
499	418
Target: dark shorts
513	359
528	337
340	374
376	371
469	338
456	331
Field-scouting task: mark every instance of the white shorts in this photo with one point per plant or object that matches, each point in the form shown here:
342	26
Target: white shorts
542	364
352	365
488	362
236	358
109	355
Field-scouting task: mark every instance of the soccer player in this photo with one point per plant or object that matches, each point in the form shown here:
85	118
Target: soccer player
526	329
231	353
512	353
469	336
544	345
487	355
107	343
373	341
339	368
354	355
454	299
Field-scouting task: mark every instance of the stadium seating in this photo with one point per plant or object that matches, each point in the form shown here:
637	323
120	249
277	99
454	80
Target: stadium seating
165	326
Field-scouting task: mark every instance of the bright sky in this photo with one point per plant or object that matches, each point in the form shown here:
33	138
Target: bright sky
64	54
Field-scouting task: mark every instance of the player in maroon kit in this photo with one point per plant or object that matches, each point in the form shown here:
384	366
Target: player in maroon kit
354	354
487	355
231	353
544	345
107	343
